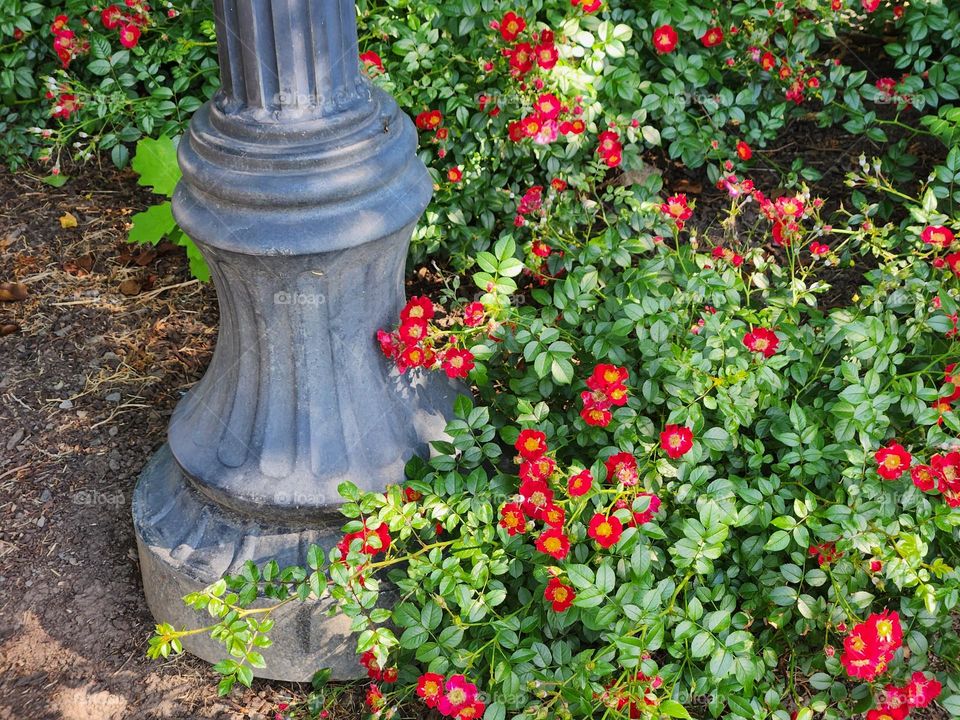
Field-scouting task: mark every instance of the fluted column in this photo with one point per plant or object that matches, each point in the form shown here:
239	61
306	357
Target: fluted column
301	187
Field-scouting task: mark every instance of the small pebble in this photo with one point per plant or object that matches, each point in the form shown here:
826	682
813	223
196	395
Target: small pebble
46	496
66	404
113	397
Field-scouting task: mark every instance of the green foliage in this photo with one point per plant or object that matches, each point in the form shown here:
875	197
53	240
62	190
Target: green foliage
156	164
123	94
773	534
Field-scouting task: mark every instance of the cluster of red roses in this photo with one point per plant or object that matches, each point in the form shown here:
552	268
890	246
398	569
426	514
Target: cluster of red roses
541	50
797	81
609	147
869	648
65	42
665	38
128	23
432	121
606	390
867	652
414	343
369	661
898	701
550	118
785	213
370	546
942	474
452	696
536	502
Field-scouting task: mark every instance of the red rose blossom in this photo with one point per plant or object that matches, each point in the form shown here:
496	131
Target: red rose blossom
676	440
554	542
892	461
559	595
762	340
664	39
606	530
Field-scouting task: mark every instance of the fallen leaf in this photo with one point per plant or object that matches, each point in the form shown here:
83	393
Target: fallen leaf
67	220
145	257
80	267
129	287
13	292
687	186
8	329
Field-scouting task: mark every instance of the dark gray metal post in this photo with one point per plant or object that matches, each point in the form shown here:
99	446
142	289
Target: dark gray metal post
301	186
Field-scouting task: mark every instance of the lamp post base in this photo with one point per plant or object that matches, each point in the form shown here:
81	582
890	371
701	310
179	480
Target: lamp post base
186	543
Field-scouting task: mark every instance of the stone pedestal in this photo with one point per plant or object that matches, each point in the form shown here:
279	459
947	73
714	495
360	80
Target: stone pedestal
301	187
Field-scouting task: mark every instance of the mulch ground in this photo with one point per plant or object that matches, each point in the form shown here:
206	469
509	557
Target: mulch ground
107	340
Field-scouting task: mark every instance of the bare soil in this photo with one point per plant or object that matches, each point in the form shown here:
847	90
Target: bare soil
107	340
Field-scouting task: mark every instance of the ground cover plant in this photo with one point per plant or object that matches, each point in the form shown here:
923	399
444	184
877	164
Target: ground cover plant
711	464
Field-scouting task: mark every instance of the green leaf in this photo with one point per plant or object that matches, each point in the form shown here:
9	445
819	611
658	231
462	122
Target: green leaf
581	576
55	180
245	675
778	541
152	225
156	164
717	439
671	708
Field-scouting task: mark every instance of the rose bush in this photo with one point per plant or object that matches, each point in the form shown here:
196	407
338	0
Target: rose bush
509	99
81	78
687	487
712	464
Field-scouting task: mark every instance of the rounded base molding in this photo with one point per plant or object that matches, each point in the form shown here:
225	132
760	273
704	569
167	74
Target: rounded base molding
186	543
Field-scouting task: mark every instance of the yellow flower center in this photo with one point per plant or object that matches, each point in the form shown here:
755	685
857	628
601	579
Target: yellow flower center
560	594
891	462
885	627
604	529
552	544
